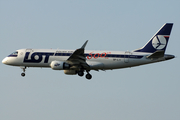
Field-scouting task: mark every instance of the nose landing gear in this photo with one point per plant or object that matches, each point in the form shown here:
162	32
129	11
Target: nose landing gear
24	69
23	74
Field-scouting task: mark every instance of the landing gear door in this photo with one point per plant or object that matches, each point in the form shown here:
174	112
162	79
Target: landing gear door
126	56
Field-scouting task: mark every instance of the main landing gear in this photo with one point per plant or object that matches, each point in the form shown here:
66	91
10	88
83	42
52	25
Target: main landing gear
88	75
24	69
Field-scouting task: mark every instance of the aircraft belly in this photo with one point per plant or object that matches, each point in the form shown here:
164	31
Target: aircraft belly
122	64
110	64
36	64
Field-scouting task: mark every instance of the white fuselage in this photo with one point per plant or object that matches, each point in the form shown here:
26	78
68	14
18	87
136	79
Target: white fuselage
103	60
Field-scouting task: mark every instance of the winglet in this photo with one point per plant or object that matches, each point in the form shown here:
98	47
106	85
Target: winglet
84	45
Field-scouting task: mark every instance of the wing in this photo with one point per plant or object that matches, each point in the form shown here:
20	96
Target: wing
78	58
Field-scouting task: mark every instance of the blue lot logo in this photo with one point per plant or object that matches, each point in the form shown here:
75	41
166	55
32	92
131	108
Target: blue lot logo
37	57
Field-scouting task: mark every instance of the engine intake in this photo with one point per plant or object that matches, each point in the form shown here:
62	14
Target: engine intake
59	65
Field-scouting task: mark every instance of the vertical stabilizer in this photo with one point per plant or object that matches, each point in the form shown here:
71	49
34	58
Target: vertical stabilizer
159	41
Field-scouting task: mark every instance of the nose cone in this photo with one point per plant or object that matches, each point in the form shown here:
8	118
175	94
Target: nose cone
4	61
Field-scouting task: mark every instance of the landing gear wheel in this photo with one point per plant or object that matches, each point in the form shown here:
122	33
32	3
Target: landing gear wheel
22	74
81	73
88	76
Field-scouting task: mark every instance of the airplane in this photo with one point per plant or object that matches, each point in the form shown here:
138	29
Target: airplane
78	61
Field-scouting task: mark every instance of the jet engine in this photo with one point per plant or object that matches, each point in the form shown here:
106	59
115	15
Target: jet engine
59	65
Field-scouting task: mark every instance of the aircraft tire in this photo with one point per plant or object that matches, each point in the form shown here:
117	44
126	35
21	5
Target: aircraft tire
23	74
81	73
88	76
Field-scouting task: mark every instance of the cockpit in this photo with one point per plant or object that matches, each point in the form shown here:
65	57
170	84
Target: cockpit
14	54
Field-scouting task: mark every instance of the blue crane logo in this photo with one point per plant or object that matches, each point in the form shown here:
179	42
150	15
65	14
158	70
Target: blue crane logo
159	42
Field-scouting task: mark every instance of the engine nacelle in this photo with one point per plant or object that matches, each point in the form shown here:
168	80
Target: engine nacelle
70	72
59	65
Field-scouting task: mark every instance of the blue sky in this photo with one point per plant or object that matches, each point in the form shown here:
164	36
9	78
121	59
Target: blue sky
140	93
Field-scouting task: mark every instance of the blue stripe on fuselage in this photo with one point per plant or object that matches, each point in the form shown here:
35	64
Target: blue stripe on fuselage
33	59
107	55
117	56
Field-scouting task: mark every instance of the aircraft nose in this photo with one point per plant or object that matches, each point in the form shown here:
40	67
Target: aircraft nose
4	61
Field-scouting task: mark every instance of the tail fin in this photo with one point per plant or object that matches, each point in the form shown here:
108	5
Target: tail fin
159	41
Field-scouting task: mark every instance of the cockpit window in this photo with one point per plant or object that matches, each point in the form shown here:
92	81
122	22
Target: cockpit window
14	54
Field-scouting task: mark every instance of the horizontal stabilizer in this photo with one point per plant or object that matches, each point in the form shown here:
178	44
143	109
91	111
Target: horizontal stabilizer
157	54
